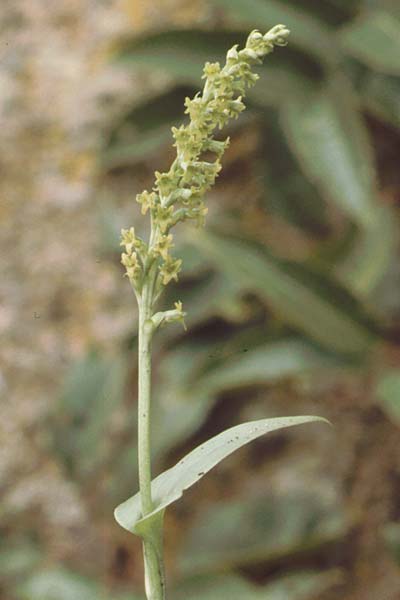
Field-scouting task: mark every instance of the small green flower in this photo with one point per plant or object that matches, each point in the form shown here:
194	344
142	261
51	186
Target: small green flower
163	216
169	316
147	200
169	269
217	147
132	266
132	242
180	314
163	245
211	71
165	183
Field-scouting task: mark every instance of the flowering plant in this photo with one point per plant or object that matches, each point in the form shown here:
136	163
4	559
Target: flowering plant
178	196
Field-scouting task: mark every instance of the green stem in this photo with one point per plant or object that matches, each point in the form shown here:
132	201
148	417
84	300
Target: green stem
152	543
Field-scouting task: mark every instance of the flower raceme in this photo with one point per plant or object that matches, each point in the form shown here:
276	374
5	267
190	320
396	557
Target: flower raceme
178	194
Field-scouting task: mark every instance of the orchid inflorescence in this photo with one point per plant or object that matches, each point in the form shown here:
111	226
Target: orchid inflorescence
178	194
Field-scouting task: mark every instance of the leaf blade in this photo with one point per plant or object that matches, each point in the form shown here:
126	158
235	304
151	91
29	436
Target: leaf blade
290	295
170	485
329	139
375	41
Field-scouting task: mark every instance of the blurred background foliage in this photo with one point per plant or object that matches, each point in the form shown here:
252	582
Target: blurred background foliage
293	300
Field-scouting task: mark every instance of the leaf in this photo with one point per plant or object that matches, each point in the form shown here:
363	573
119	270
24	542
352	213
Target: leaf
185	397
145	128
268	528
183	53
93	388
380	95
143	147
388	392
371	255
221	587
212	295
18	559
180	53
218	588
287	192
328	136
390	6
301	586
266	364
391	534
306	32
59	584
310	302
374	40
170	485
281	77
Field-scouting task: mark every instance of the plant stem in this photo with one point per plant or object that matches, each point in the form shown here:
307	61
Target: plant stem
144	391
152	544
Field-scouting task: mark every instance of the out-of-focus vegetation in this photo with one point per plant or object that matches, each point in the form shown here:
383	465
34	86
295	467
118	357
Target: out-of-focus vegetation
293	302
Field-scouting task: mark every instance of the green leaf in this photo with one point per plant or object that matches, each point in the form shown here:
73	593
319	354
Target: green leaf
328	136
266	364
389	6
287	192
218	588
388	392
180	53
213	295
18	559
170	485
145	128
268	528
93	388
391	534
185	397
183	53
279	79
301	586
308	301
371	254
306	32
221	587
380	95
59	584
143	147
374	40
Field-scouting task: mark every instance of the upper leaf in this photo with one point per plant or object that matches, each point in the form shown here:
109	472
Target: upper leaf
170	485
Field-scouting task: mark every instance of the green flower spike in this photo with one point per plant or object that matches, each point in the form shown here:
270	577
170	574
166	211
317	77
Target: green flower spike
178	194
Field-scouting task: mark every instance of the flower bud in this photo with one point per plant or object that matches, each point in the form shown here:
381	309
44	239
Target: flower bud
232	54
248	54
